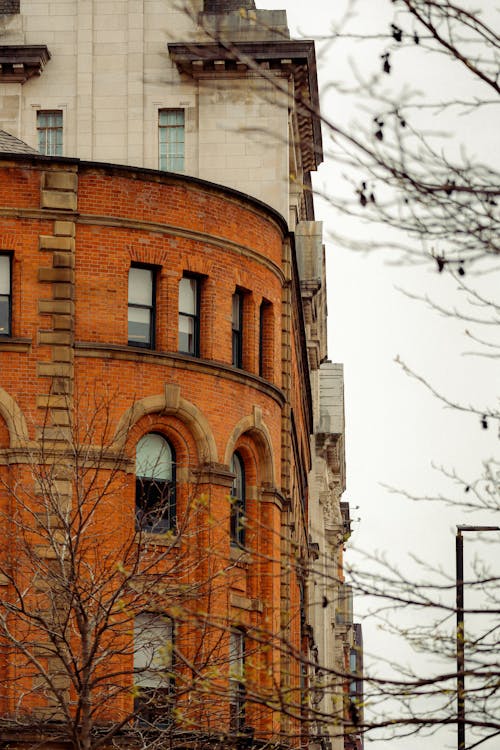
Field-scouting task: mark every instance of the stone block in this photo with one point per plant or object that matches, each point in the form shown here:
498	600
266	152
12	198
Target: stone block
45	552
48	242
60	181
49	306
54	369
60	338
54	434
62	322
60	417
51	401
63	291
57	487
63	260
62	354
64	228
59	200
56	274
62	385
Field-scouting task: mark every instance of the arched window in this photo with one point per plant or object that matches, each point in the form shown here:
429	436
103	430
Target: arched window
238	501
155	484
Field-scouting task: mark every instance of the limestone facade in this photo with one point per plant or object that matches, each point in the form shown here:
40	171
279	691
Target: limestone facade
109	68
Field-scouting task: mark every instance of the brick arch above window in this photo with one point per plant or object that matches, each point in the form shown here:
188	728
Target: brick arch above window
14	419
171	403
254	428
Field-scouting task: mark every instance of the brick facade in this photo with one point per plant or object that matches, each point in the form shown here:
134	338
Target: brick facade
76	399
69	381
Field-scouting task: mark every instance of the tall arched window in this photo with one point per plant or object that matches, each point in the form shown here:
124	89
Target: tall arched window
155	484
238	501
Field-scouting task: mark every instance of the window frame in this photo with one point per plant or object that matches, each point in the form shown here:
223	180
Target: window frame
167	519
145	710
8	296
265	311
168	162
196	317
237	330
237	686
48	148
151	308
238	514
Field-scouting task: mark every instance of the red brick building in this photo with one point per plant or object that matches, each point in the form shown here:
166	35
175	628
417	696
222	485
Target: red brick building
150	312
171	430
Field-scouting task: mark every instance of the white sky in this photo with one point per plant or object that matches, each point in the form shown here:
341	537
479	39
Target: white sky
395	429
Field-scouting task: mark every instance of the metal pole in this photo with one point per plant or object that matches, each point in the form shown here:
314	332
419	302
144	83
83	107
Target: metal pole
459	546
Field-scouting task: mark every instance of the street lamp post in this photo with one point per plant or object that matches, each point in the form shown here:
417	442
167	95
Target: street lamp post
459	552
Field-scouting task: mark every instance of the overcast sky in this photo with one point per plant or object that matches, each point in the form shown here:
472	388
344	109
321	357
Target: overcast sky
395	429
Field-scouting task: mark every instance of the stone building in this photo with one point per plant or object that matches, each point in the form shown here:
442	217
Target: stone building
169	422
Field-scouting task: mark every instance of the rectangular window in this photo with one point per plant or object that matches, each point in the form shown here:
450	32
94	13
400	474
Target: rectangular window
189	316
171	131
237	326
237	690
5	294
153	665
265	339
141	306
50	132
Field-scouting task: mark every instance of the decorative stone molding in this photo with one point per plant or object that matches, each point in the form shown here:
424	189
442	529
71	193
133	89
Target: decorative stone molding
14	419
214	474
58	187
174	359
171	403
254	426
267	58
9	6
20	62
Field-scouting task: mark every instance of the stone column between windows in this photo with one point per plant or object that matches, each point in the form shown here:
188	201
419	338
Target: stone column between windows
54	433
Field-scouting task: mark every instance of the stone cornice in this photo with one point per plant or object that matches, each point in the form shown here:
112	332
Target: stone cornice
180	361
57	163
19	62
150	226
287	56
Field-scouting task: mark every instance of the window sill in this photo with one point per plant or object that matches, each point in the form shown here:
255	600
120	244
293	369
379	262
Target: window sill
240	555
8	344
166	540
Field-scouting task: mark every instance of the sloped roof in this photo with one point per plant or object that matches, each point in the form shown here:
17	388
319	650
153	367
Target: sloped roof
12	145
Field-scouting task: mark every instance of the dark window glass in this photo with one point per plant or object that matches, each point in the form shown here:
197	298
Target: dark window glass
189	318
237	518
237	325
155	484
237	691
265	323
141	298
153	665
171	133
5	295
49	124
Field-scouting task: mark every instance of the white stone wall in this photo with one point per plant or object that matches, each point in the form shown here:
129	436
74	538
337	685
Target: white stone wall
110	73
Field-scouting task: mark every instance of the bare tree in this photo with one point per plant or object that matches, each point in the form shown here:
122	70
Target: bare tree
100	602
